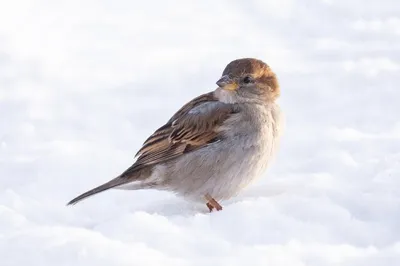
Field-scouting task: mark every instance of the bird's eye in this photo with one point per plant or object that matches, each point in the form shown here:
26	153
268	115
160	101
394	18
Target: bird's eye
247	79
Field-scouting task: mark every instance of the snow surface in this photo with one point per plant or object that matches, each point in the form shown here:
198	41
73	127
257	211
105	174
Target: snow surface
83	83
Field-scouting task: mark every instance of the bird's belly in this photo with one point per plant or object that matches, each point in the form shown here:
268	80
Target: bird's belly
220	169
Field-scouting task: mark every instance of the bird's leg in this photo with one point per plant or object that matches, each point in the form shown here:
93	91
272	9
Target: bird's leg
212	203
210	207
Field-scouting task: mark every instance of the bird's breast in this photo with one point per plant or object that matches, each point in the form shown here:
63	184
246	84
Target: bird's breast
256	137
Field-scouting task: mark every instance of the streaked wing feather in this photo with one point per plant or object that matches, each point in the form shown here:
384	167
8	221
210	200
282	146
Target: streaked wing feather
192	127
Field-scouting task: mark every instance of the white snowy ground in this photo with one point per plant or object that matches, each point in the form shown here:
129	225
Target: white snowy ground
82	83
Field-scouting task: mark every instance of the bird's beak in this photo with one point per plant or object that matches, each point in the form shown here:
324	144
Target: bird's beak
226	83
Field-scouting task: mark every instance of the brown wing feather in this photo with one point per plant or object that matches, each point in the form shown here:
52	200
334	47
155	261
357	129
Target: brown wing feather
160	136
184	132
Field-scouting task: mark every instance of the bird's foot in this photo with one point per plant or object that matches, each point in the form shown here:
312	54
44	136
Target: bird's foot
212	203
210	207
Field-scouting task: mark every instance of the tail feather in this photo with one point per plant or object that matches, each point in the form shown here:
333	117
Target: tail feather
111	184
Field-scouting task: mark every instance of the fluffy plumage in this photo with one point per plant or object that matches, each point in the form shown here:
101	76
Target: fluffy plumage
216	144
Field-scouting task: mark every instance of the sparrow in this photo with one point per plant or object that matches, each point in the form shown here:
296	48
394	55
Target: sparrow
216	144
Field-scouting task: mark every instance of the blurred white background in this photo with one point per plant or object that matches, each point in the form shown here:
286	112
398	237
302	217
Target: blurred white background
83	83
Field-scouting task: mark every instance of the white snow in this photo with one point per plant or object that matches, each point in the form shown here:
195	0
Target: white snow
83	83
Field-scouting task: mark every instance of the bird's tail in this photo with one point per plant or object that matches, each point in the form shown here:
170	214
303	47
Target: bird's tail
110	184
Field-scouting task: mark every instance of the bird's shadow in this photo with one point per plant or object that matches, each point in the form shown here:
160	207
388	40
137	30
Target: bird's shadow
176	206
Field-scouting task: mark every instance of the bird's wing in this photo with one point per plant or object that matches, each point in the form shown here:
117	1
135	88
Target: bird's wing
194	126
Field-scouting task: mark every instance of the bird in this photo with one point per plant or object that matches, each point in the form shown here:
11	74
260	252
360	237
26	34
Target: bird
213	146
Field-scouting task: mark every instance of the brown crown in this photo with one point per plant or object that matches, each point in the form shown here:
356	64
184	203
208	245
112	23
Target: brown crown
257	68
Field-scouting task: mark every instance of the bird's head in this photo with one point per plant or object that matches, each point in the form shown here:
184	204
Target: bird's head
249	80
